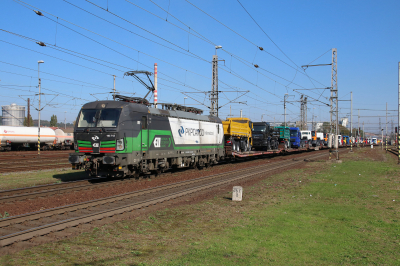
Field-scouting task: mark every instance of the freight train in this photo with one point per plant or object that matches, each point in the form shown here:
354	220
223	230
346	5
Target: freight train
127	137
24	138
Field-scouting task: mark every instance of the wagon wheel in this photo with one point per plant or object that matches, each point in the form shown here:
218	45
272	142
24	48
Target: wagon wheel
233	145
238	146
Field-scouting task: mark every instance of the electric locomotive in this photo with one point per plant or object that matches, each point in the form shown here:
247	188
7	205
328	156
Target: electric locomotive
128	137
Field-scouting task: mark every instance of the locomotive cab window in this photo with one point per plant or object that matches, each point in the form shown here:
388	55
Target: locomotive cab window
99	118
87	118
109	117
144	122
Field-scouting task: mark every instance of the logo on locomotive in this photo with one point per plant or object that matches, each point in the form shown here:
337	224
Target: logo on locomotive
181	131
192	132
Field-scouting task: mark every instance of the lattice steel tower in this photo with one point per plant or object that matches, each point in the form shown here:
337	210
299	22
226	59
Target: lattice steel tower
303	112
334	95
214	87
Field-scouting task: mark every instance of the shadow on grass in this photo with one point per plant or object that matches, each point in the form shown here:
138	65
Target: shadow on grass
75	176
228	198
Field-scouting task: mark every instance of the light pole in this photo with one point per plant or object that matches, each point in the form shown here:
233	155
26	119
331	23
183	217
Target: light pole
65	118
262	117
351	121
216	48
184	101
284	106
39	81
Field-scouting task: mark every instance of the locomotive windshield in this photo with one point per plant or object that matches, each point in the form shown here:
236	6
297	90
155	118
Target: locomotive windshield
293	133
99	118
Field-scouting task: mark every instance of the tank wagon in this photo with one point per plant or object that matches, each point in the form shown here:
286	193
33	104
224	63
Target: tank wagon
64	141
127	137
25	137
19	138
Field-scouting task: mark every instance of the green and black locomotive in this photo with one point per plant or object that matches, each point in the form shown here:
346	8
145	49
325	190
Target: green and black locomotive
128	137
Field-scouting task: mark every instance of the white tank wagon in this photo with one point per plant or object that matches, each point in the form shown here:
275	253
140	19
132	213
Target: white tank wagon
25	137
63	140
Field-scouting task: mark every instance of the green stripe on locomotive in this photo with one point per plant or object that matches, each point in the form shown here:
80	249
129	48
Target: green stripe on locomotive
135	144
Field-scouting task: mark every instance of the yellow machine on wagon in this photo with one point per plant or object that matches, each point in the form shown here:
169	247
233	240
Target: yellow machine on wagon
237	132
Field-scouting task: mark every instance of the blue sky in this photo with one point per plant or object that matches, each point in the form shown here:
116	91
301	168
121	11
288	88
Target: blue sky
86	45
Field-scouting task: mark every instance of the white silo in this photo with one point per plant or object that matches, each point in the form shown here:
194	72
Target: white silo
13	115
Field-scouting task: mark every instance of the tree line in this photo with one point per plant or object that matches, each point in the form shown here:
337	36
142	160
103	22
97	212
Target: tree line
52	123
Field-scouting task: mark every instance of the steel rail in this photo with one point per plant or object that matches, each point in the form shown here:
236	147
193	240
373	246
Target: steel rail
100	214
32	161
26	168
34	153
20	194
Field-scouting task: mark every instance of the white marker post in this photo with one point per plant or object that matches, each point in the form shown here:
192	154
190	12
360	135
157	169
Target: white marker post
237	193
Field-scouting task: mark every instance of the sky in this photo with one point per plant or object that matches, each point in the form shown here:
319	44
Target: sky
88	42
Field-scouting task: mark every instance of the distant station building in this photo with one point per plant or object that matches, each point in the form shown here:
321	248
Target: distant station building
13	115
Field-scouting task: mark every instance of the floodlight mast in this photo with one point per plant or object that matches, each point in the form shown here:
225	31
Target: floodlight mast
148	74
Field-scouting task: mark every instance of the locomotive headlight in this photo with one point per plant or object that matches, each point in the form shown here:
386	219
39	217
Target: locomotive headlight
76	146
120	145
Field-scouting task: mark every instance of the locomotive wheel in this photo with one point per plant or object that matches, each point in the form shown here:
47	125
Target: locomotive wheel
194	166
156	172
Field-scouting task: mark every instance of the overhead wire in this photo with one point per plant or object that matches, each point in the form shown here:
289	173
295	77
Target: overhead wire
236	75
148	31
193	54
112	24
297	70
105	37
70	53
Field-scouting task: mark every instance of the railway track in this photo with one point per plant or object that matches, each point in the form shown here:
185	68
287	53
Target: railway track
28	226
20	194
9	154
393	150
21	161
9	196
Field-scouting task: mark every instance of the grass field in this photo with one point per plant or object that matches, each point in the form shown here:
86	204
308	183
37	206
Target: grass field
36	178
325	214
